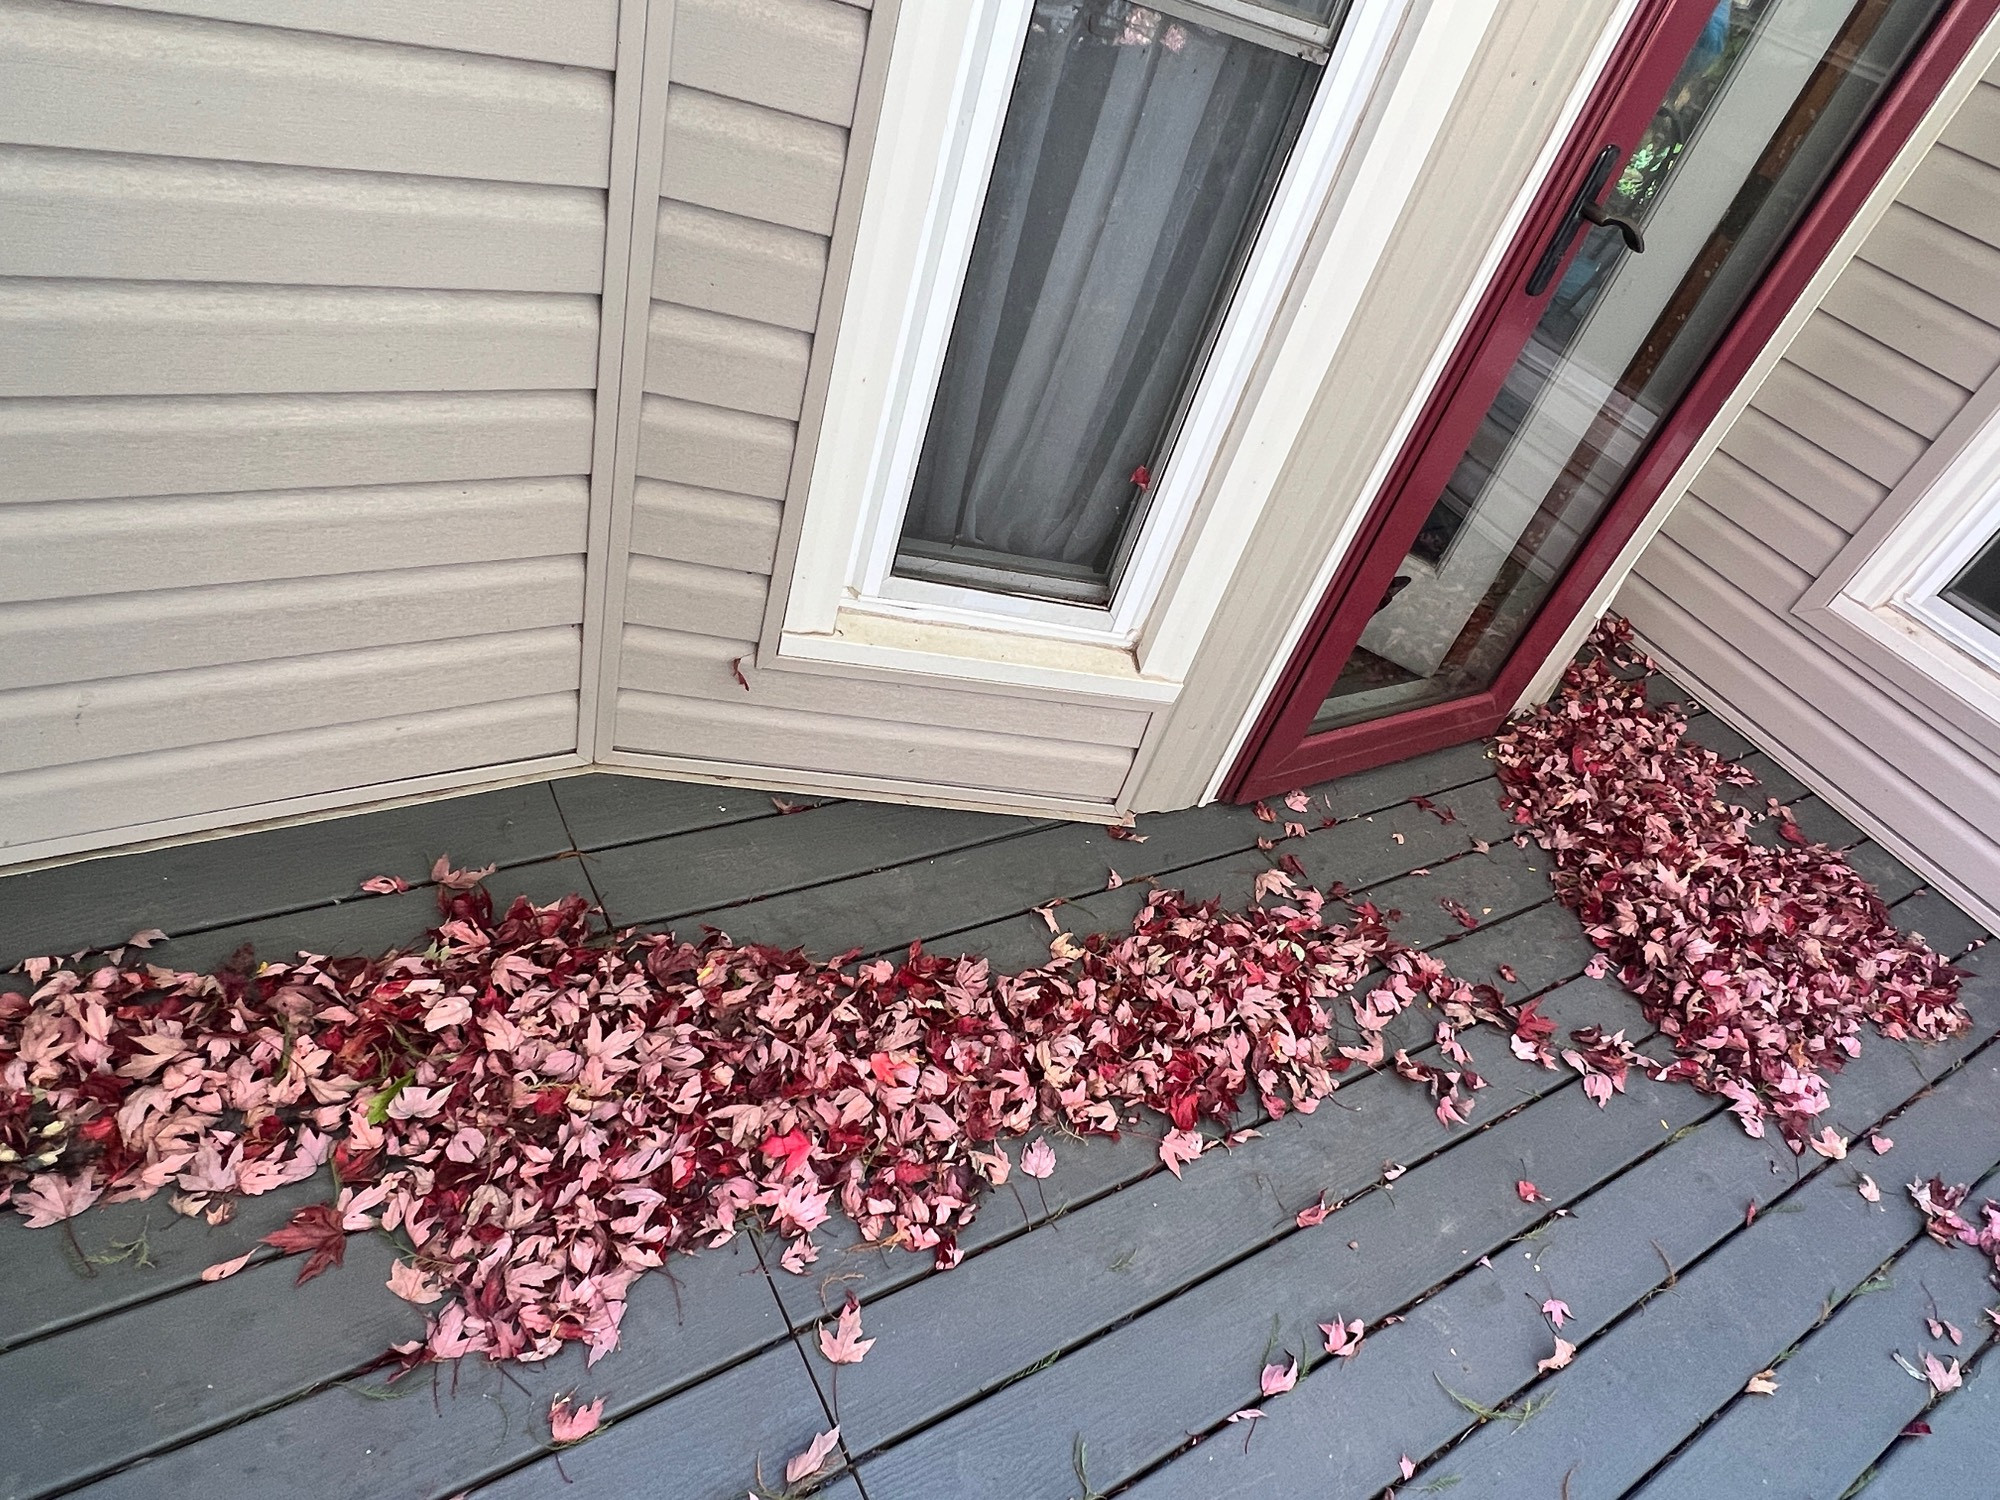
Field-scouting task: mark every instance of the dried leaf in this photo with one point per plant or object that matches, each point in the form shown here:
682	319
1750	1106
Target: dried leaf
1763	1383
1529	1193
843	1344
569	1424
1038	1160
1277	1379
1866	1187
222	1270
384	885
1556	1311
1565	1352
813	1459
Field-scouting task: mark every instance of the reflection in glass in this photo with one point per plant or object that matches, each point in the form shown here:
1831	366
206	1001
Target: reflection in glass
1755	121
1976	589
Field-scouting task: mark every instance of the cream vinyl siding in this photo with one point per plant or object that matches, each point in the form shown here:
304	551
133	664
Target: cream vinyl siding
1892	355
762	98
298	348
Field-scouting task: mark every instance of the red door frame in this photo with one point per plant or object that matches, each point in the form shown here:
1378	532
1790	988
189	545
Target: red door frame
1279	752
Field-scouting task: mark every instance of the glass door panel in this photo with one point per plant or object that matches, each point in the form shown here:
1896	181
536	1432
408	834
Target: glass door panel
1760	112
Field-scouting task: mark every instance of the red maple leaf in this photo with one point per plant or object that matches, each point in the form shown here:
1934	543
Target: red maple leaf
315	1232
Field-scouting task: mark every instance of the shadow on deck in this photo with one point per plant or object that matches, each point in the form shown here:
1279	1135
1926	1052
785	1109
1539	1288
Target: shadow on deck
1102	1328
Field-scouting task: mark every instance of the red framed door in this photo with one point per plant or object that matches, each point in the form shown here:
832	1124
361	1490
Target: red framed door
1727	147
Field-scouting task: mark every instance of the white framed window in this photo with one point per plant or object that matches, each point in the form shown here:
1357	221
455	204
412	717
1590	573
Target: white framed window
1929	590
856	592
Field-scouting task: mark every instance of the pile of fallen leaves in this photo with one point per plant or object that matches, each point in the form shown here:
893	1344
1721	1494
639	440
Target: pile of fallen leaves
1759	963
544	1114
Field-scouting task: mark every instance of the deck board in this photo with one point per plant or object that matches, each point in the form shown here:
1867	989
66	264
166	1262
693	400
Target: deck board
1782	1444
1156	1296
218	882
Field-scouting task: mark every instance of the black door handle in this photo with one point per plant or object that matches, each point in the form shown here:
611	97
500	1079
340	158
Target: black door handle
1627	230
1584	207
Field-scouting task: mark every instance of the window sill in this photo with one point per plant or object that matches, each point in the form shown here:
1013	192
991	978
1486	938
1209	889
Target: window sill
993	659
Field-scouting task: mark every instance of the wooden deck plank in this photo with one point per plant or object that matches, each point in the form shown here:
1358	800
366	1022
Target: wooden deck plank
190	887
1482	1334
604	809
1783	1444
105	1394
57	1279
471	1422
1893	880
970	888
665	880
1963	1448
708	1442
1944	926
1133	1394
363	924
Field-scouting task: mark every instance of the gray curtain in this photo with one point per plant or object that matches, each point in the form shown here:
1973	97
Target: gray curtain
1136	150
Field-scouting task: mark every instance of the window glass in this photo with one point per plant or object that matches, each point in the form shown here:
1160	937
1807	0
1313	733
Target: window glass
1138	153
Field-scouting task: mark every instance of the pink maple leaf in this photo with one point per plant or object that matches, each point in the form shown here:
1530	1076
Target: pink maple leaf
1179	1147
1277	1379
1556	1311
1565	1352
844	1345
1343	1339
49	1199
1297	800
1529	1192
573	1425
1307	1217
1941	1376
384	885
813	1459
458	880
1038	1160
222	1270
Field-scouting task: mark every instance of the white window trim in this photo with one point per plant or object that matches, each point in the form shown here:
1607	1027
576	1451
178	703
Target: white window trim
1896	596
1395	69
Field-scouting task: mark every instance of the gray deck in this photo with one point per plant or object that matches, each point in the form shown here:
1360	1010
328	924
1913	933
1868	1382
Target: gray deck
1099	1332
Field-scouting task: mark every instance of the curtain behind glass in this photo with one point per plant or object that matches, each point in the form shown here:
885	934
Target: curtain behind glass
1136	152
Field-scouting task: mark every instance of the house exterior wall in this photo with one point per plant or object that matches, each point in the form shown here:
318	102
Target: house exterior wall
757	179
298	350
1885	368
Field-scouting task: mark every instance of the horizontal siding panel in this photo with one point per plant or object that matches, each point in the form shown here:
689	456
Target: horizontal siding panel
1768	574
1975	128
729	264
163	218
105	79
712	448
801	56
1803	470
1956	267
1957	190
1832	719
702	526
72	722
123	635
82	547
1872	372
87	448
1849	429
724	361
686	596
114	338
1913	322
745	159
1768	513
214	779
582	33
833	745
696	666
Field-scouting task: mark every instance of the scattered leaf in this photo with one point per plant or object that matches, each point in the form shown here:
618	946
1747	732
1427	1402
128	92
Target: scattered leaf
1038	1160
222	1270
1866	1187
569	1424
843	1344
1277	1379
1565	1352
1529	1193
1763	1383
813	1459
1556	1311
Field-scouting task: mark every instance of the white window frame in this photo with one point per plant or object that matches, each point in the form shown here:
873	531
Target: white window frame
1896	597
1394	70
